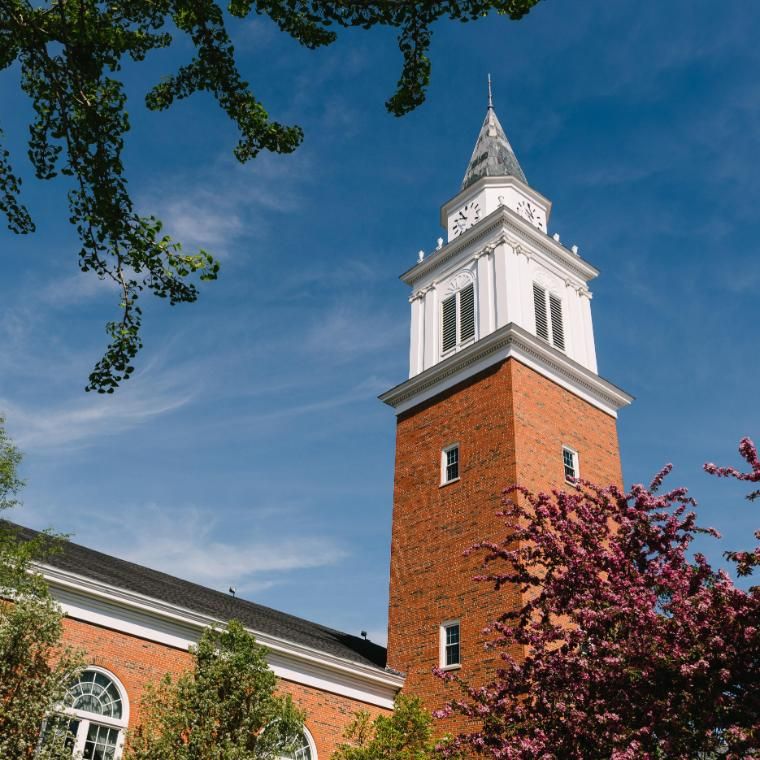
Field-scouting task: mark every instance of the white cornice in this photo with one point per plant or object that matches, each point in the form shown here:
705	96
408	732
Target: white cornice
507	221
507	342
128	611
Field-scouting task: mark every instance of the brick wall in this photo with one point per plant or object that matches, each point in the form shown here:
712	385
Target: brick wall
510	423
548	417
328	715
137	662
134	661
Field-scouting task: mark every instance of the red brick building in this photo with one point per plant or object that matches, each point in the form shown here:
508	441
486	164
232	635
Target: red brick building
503	388
136	624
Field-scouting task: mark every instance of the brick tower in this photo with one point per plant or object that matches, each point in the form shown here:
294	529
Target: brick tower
503	388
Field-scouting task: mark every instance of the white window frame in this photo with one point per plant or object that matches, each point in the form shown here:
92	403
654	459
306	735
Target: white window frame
442	644
86	719
458	343
444	463
548	311
576	464
310	741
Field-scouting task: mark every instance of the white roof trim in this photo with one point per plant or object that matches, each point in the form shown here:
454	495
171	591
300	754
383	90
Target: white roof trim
101	603
507	342
507	219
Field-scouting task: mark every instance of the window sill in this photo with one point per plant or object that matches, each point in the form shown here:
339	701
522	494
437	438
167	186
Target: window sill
458	666
459	347
448	482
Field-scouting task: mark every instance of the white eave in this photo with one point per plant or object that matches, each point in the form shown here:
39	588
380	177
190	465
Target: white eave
173	625
507	342
507	220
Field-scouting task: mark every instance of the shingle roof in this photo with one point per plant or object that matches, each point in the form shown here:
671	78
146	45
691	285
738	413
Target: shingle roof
493	155
191	596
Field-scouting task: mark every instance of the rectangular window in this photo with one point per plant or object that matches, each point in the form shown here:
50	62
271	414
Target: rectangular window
458	319
101	742
450	645
549	322
450	464
570	462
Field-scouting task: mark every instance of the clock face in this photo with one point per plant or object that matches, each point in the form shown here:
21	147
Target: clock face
466	217
528	211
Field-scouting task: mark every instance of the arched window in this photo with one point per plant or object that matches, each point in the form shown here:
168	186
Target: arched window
306	749
97	712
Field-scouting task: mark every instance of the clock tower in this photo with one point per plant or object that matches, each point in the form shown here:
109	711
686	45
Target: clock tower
503	388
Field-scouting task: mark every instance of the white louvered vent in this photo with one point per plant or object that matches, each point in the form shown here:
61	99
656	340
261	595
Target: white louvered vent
539	302
449	339
467	313
558	331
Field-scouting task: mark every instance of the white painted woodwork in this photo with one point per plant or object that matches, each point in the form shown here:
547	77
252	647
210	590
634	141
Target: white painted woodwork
504	253
98	603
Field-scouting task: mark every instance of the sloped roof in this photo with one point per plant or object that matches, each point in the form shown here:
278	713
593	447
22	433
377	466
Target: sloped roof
129	576
493	155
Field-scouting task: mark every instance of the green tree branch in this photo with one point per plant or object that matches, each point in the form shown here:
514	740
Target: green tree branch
70	53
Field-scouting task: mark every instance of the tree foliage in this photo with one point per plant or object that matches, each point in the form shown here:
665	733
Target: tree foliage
224	708
35	672
406	734
70	53
35	669
632	646
746	561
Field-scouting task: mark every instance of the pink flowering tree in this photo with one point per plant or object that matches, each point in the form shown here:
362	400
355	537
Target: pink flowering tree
633	646
746	561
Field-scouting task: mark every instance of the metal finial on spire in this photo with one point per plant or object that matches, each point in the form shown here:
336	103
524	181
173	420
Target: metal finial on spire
493	155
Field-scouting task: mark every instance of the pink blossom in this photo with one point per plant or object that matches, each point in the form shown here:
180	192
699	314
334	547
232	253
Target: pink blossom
631	646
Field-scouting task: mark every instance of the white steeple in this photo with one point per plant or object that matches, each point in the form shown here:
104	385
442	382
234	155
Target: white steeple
500	287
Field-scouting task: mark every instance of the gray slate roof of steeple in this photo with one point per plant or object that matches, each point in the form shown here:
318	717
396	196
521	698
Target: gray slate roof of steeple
493	155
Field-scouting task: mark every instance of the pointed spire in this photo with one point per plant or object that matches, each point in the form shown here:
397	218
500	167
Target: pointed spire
493	155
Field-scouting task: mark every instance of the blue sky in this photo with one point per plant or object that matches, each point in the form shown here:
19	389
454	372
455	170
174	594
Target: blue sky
250	448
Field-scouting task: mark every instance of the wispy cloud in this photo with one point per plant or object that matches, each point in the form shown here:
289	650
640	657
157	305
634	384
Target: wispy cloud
187	542
357	395
75	289
84	419
201	219
216	207
351	330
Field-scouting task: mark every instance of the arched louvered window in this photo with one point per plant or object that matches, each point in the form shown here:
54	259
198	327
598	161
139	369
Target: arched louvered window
549	322
458	319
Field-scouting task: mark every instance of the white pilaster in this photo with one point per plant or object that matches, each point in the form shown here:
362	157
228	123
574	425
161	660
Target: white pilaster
512	307
417	334
585	299
431	328
486	294
500	281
